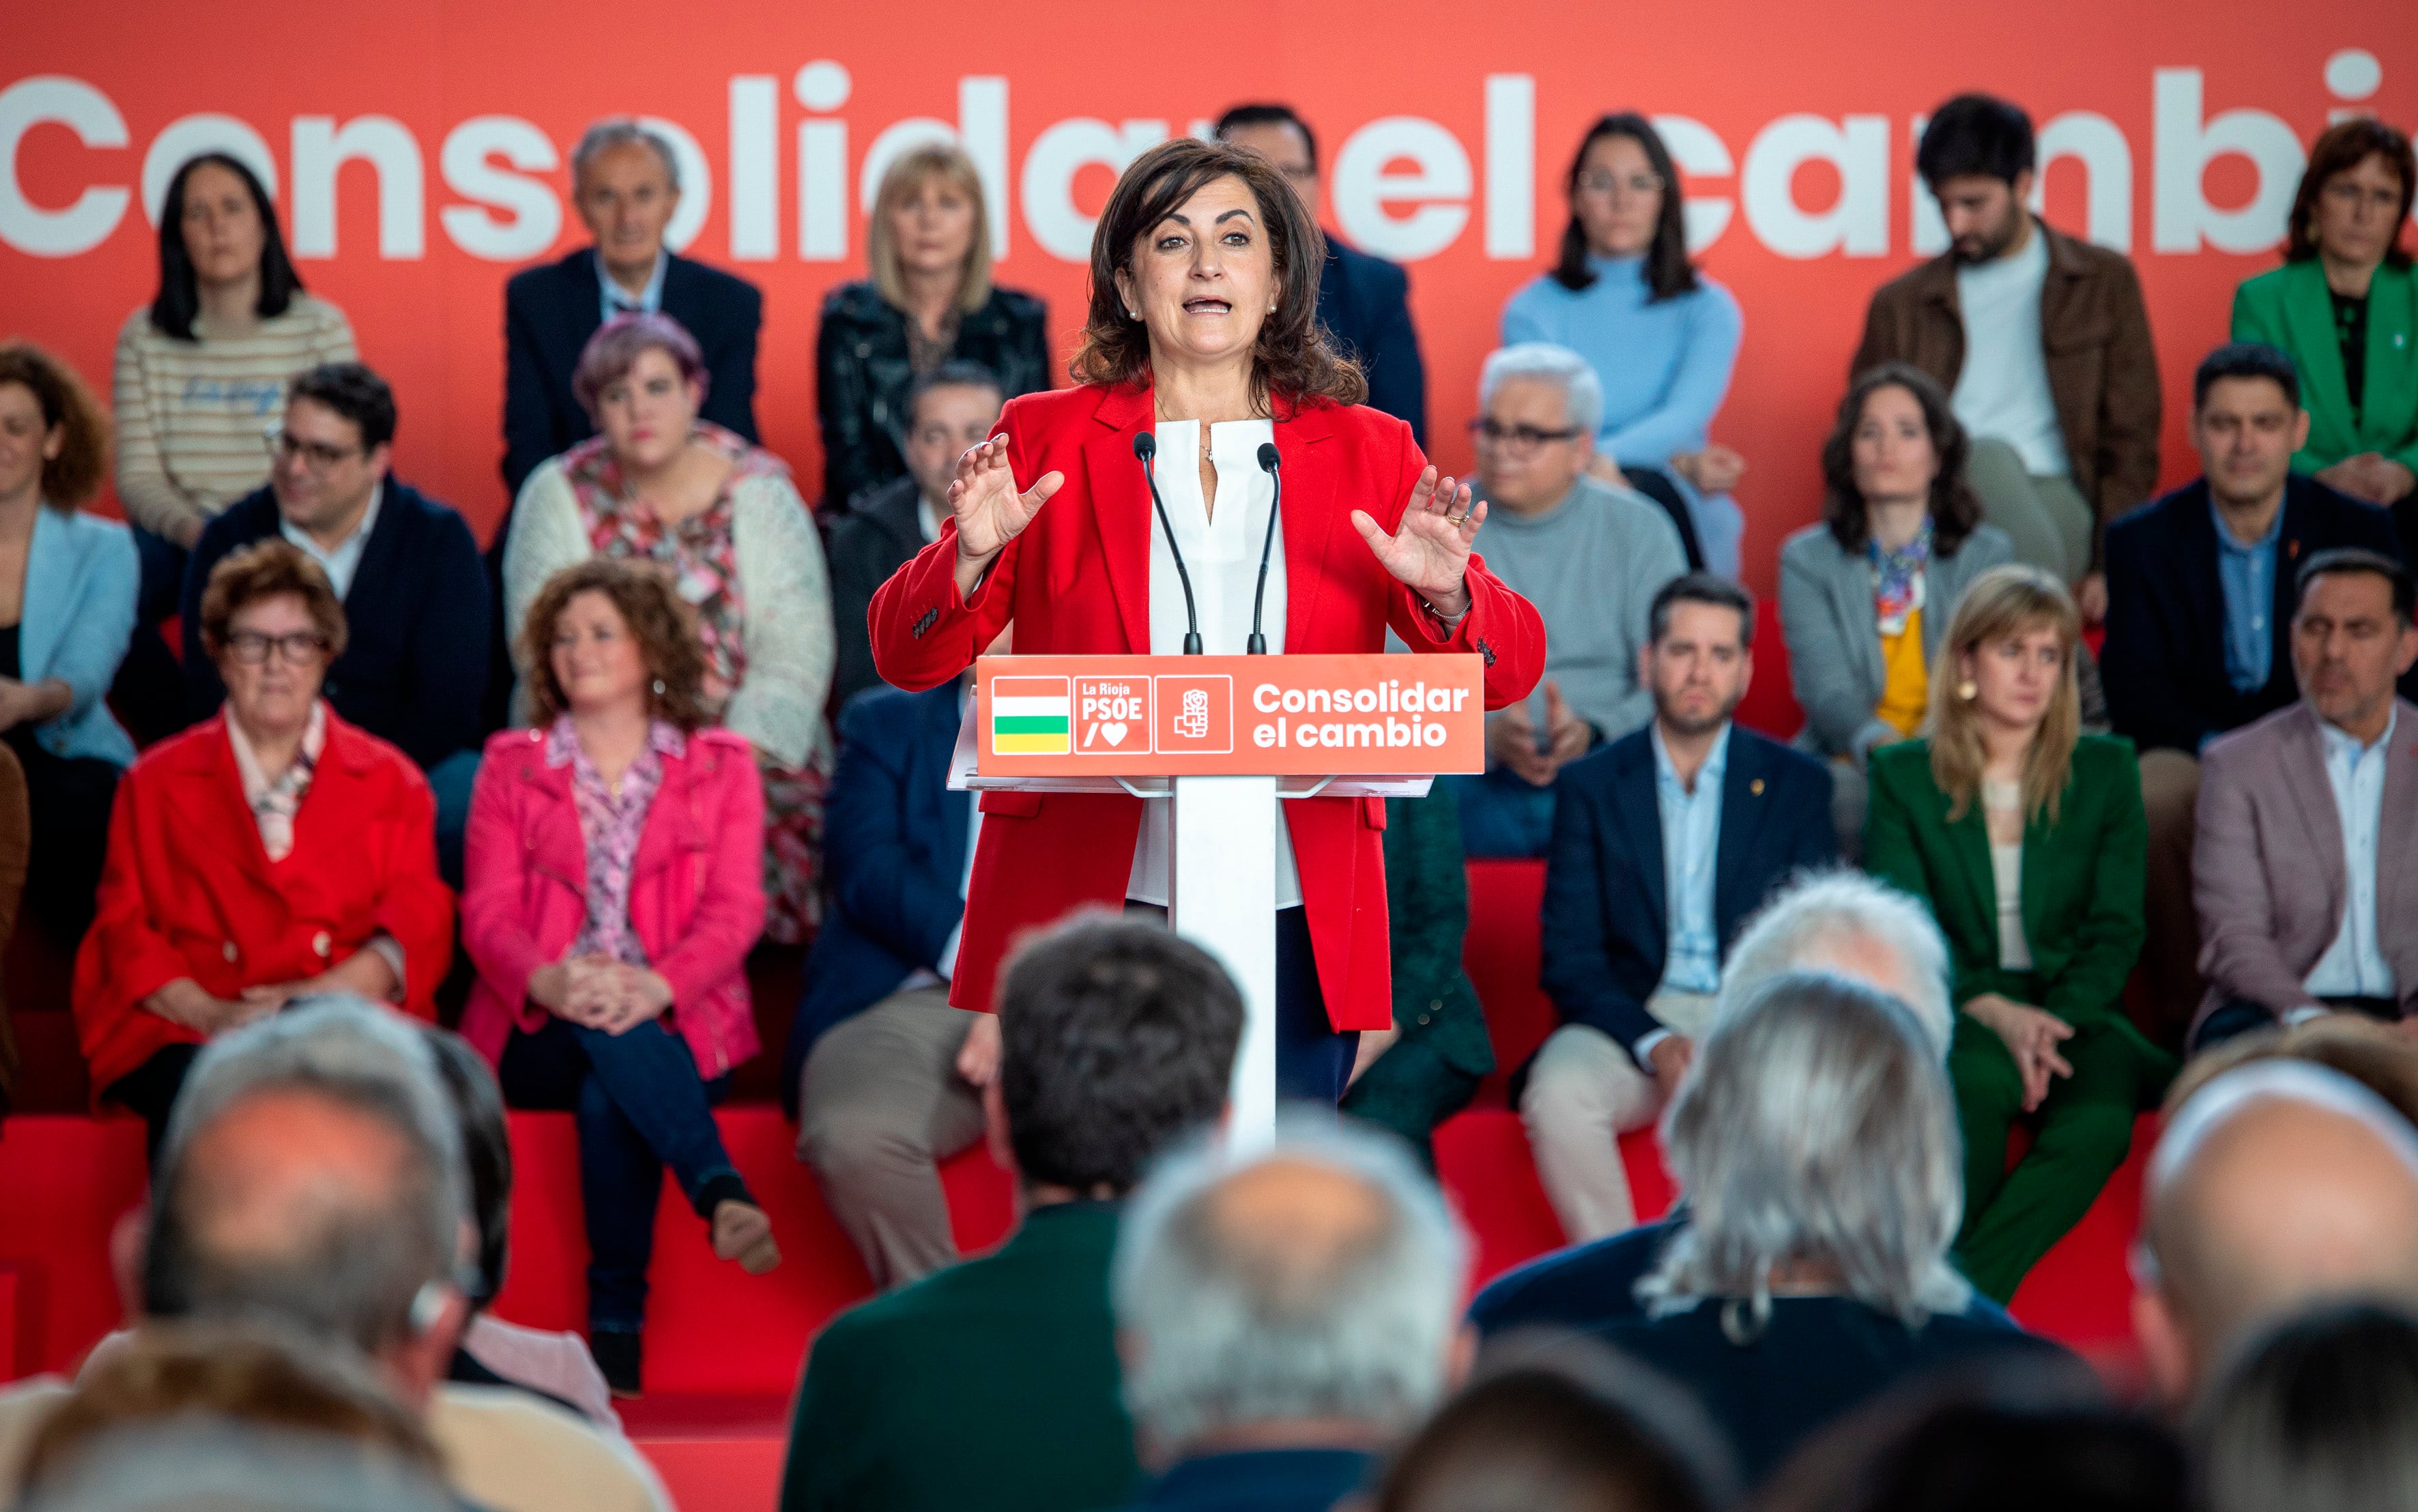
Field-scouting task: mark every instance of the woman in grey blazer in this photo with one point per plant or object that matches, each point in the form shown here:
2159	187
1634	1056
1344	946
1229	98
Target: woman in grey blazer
1865	595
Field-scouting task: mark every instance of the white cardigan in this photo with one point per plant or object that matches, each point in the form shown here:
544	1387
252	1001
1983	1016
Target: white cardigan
787	634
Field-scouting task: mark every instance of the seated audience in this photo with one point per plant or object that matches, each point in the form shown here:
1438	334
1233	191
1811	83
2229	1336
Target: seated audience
1662	338
719	517
885	1077
70	611
493	1352
1117	1038
415	664
2314	1413
199	370
2041	339
2377	1056
1663	843
1363	299
2199	634
2344	307
2026	837
930	301
2279	1183
1412	1077
1864	595
1284	1315
1561	1425
1814	1142
1841	923
1590	555
271	852
2299	910
950	411
614	888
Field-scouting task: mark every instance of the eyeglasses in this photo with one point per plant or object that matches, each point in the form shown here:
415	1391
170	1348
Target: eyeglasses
1517	440
1639	185
2350	196
299	648
316	455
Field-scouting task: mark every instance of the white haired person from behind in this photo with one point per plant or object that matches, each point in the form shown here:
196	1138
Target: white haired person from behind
1285	1315
1815	1144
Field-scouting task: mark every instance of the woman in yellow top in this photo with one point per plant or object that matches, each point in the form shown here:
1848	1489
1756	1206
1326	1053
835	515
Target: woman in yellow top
1864	595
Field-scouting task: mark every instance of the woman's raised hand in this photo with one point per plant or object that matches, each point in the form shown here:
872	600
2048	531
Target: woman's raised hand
989	510
1428	553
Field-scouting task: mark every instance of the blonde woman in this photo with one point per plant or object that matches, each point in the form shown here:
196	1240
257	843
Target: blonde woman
930	301
2027	839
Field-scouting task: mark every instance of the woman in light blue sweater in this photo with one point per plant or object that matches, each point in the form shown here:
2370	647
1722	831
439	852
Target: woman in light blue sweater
1662	337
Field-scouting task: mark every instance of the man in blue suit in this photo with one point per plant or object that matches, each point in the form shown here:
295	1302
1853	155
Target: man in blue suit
1362	302
1665	841
886	1076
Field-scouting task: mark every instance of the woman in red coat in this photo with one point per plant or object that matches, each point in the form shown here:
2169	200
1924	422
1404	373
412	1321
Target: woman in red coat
269	853
1202	334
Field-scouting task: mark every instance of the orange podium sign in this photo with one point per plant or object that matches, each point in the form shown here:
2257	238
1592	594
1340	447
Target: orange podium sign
1189	716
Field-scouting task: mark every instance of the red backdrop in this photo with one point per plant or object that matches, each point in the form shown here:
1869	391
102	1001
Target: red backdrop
1445	131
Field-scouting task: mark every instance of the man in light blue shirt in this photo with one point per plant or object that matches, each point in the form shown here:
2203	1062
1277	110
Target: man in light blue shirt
2245	572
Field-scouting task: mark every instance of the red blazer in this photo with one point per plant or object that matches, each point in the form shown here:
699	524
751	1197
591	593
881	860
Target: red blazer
1076	582
696	889
189	892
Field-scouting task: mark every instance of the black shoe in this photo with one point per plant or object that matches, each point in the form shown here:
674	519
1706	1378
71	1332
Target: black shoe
619	1356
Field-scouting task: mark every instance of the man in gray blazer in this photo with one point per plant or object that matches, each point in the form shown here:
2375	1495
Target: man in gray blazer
2304	868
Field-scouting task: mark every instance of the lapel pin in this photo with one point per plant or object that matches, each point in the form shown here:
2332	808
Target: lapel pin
1755	787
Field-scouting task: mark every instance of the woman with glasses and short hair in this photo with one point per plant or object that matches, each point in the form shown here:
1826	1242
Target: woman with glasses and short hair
1662	337
271	854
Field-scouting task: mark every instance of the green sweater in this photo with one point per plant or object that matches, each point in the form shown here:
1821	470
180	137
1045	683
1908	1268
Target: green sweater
992	1384
2291	308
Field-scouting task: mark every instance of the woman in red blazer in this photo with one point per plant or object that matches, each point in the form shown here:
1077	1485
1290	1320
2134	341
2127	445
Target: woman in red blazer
1202	333
614	885
271	852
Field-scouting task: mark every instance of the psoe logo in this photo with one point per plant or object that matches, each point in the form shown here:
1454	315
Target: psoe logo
1112	716
1196	715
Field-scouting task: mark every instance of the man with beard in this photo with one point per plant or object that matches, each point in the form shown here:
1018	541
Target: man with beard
1664	843
2041	341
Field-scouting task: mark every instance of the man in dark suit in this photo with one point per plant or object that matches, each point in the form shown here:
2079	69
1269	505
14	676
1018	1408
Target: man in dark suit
950	410
2200	594
995	1383
1664	841
407	567
1362	302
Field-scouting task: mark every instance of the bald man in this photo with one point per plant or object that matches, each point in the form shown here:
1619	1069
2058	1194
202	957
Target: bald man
2279	1183
1285	1317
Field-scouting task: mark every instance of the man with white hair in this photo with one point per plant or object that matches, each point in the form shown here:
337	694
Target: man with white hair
1284	1315
1590	555
2279	1183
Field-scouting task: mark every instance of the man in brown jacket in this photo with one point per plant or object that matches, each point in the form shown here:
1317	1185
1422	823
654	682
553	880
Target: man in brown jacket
2041	339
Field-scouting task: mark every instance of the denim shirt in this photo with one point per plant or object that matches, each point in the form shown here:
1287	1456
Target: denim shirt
2247	574
1691	837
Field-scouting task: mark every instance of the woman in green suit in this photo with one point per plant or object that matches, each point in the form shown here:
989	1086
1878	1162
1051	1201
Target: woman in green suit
2026	838
2345	305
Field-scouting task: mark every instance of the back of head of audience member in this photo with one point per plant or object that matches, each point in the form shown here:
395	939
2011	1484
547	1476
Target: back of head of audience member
1977	157
1307	1294
44	402
2376	1055
1816	1132
950	411
2317	1410
1539	407
1845	923
486	1151
2354	634
2246	421
1561	1424
1117	1037
311	1175
202	1463
2278	1183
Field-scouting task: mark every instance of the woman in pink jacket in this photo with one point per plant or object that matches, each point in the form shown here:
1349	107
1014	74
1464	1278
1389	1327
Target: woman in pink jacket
614	886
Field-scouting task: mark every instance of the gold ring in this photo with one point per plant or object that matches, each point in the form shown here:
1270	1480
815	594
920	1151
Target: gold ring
1456	519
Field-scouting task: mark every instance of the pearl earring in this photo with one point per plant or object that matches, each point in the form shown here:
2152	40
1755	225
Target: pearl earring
1968	689
659	687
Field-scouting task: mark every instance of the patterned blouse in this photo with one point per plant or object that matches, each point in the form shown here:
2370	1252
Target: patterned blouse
610	823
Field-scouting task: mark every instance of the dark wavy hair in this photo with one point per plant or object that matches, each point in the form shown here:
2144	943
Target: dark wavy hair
72	476
1292	359
1954	509
659	618
1668	272
179	298
2339	149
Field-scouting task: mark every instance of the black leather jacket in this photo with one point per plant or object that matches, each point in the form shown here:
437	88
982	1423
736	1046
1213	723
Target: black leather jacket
863	374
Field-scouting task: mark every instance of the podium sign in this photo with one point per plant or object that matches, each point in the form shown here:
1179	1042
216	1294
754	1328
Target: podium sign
1199	716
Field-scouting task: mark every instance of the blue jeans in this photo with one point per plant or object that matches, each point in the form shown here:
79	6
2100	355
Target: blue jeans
451	781
639	1107
1502	813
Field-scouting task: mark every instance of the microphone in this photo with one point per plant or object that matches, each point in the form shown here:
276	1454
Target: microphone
1258	645
1145	451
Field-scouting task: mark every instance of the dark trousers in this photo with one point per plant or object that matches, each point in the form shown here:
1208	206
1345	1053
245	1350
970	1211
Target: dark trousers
150	1090
1313	1058
639	1107
68	800
2241	1016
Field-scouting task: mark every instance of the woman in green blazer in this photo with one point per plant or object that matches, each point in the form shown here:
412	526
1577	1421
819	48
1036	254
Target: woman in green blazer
2345	306
2027	839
